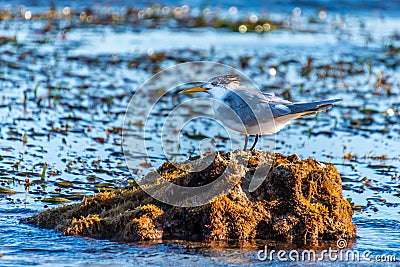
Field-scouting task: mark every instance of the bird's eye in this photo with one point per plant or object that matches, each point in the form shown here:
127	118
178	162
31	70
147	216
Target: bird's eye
214	83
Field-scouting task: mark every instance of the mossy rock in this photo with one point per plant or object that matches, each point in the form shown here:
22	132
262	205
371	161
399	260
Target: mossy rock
300	201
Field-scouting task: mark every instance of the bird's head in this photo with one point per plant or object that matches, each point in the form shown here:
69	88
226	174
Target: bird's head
216	86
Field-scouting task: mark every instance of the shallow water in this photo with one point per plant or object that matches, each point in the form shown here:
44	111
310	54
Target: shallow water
86	80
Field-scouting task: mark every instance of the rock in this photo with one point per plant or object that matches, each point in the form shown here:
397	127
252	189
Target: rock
300	201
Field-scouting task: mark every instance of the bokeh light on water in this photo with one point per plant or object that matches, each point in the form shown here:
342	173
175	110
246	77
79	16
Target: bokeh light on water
65	86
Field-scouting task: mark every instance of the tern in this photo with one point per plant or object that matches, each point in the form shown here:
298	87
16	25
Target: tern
251	111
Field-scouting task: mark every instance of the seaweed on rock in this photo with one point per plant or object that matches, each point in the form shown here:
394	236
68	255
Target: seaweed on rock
300	201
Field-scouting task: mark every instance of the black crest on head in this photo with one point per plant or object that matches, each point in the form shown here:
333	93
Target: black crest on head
224	80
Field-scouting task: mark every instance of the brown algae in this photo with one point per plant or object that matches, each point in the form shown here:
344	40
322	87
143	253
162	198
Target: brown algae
300	201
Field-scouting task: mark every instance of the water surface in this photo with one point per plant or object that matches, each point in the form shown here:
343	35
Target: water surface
63	100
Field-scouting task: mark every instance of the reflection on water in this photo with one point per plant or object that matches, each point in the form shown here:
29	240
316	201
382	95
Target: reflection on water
62	102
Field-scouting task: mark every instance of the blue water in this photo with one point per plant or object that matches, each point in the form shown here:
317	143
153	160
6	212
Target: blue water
356	7
25	245
367	29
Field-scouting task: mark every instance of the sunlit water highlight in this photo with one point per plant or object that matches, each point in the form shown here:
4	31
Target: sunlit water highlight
87	79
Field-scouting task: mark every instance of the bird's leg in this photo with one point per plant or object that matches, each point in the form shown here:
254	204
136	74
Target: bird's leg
245	142
255	142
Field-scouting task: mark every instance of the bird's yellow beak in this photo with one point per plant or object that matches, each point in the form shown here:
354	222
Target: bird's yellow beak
194	89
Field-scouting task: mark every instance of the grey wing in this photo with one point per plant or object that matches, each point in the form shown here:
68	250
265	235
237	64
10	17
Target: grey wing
247	103
281	107
241	104
312	107
254	101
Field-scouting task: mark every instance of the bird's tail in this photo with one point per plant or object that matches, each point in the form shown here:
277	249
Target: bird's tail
306	109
